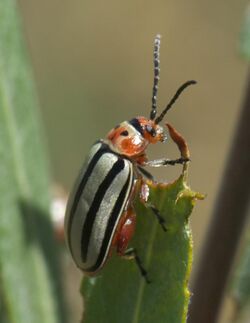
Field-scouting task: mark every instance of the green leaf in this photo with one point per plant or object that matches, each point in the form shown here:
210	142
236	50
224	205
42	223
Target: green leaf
120	294
29	286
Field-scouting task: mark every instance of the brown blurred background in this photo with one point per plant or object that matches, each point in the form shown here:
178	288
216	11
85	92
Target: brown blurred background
93	68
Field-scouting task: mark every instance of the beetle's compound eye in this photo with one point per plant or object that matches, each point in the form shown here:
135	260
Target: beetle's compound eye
150	130
124	133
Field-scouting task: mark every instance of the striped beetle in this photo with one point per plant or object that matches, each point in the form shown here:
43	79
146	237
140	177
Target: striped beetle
100	214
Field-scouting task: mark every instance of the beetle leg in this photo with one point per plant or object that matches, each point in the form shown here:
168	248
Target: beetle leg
126	231
131	253
156	212
146	173
165	162
123	237
144	193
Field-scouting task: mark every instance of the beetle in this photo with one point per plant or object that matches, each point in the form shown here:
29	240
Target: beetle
100	215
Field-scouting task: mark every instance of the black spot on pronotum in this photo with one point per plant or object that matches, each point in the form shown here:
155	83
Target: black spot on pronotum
124	133
136	124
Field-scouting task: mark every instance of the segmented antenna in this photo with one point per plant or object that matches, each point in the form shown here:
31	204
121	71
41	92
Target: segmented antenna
157	43
174	98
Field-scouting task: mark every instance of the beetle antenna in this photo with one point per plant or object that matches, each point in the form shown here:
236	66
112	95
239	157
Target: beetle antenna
157	43
174	98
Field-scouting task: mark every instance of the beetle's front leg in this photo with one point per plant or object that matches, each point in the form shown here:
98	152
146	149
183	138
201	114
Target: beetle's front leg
165	162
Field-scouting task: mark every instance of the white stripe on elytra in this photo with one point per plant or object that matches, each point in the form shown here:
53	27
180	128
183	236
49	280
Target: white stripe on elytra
104	212
97	176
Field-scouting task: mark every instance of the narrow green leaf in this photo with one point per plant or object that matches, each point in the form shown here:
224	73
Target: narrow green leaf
120	294
29	286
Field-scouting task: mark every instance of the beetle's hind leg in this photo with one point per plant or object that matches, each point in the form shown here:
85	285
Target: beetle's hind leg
123	237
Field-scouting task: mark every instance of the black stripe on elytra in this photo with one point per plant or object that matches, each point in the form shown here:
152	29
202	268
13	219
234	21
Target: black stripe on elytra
102	150
116	211
91	215
136	124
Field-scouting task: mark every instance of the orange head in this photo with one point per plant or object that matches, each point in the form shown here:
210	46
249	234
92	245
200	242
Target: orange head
130	138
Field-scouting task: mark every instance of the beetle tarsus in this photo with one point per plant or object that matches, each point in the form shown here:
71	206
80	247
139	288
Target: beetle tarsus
160	219
132	252
173	162
166	162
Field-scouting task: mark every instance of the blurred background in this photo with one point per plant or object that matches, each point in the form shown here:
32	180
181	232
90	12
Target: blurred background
93	68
